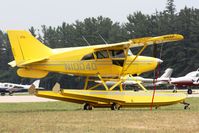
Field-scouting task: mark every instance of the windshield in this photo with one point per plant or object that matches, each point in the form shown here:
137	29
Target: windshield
197	75
117	53
192	74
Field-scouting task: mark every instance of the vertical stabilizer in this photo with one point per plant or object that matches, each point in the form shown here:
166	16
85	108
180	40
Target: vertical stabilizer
167	74
36	83
26	47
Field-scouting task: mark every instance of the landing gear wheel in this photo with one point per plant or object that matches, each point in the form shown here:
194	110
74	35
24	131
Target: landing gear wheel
175	89
88	107
189	91
10	93
3	94
186	105
115	106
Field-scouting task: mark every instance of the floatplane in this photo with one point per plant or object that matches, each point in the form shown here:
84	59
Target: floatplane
106	62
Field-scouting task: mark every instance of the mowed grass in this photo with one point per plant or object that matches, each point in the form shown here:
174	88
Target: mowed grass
68	117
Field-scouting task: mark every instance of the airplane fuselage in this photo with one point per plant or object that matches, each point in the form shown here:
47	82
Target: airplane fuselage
191	79
183	81
87	61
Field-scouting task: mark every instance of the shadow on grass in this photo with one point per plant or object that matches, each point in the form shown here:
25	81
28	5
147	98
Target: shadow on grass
100	110
41	110
68	107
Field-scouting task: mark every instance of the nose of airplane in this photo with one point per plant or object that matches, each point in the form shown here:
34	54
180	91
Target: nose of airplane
159	61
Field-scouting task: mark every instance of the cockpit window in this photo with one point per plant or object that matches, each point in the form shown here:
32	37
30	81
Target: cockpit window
117	53
197	75
192	74
88	57
101	54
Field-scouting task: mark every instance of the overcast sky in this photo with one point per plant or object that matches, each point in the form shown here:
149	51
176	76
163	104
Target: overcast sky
21	14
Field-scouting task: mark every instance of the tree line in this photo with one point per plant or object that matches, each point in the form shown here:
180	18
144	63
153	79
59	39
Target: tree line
182	56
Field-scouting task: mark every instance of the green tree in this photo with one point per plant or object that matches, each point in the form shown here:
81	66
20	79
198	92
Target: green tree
170	7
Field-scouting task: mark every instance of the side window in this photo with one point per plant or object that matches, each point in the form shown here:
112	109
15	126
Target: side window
101	54
88	57
117	53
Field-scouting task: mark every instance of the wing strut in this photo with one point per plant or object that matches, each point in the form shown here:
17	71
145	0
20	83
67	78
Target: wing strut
125	69
103	83
139	84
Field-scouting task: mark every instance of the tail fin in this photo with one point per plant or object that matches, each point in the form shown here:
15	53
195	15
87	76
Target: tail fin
56	88
167	74
26	47
32	90
36	83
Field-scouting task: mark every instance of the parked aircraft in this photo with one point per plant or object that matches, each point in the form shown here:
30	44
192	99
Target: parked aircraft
164	79
11	87
105	62
191	79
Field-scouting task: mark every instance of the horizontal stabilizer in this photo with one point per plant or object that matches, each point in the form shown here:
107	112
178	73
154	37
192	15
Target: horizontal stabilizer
32	61
12	63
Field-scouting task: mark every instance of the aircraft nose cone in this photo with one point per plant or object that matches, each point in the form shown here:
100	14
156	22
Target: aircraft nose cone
159	61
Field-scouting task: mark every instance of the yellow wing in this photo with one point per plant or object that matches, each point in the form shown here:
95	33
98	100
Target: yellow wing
143	41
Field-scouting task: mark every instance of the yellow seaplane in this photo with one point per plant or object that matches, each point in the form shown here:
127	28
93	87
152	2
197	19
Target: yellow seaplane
105	62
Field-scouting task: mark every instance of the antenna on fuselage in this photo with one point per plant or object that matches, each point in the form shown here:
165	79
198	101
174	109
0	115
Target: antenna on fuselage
103	39
86	40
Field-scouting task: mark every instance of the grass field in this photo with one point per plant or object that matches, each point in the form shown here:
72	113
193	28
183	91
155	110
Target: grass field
67	117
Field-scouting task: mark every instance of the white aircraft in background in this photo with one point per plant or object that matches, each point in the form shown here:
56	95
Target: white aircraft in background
11	88
164	79
191	79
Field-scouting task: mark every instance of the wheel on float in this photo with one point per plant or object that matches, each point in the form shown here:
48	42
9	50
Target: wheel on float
88	107
115	106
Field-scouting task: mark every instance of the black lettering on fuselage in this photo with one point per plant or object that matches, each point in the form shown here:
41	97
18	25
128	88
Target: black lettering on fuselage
80	66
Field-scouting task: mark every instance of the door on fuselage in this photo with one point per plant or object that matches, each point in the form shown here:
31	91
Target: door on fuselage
104	63
110	62
117	57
